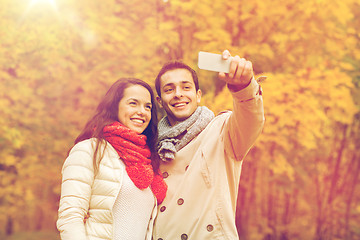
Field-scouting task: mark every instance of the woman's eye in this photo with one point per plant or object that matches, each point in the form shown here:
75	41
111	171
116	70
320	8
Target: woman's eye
168	90
132	103
148	107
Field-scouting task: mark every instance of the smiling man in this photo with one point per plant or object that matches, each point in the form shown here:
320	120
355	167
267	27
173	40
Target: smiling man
202	154
179	97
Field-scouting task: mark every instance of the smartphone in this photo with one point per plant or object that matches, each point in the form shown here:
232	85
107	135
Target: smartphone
213	62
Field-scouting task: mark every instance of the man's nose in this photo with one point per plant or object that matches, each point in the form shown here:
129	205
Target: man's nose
178	92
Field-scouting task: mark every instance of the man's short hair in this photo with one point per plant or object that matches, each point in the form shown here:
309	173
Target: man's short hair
172	65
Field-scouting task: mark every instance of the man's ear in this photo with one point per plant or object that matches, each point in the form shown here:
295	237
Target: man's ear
198	96
158	99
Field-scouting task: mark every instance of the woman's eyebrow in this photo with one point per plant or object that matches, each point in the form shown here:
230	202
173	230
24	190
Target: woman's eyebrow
137	100
133	99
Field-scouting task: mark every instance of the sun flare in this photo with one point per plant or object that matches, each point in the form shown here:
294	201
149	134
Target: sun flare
42	1
36	2
40	4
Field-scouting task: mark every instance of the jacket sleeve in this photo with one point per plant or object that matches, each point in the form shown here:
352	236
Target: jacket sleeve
246	121
77	179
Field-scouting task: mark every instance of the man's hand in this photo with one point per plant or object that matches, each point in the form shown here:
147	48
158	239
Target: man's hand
240	75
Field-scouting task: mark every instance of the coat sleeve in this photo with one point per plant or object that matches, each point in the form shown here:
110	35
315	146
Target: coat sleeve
77	180
246	121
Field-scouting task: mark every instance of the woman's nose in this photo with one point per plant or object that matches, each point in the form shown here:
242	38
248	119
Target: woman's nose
140	111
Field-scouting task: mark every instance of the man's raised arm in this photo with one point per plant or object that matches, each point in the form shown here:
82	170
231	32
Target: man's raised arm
247	119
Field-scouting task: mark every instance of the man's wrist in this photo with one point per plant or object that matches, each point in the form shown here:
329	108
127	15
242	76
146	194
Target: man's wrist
238	87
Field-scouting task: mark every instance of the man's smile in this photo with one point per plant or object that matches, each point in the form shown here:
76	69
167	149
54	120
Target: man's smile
179	104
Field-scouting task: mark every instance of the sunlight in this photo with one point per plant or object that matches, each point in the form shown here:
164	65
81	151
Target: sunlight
33	2
38	2
39	5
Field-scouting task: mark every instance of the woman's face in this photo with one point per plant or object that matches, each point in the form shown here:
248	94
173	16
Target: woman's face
135	108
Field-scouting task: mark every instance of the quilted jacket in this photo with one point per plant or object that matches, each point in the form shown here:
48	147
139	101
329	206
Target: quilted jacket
85	210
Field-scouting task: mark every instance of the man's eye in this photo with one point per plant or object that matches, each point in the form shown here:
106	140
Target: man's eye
148	107
132	103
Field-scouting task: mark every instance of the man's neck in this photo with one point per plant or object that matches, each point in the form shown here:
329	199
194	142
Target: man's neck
174	122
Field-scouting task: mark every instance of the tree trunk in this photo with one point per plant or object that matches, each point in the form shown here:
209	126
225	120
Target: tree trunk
349	199
9	226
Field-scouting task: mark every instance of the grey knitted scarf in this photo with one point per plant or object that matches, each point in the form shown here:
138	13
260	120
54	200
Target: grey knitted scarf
174	138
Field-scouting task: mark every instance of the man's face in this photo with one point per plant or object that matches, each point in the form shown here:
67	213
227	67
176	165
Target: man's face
179	97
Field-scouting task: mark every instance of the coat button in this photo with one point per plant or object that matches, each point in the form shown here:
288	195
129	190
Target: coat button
163	208
180	201
165	175
209	227
184	236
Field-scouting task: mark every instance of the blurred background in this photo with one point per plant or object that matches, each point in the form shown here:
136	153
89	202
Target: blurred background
58	57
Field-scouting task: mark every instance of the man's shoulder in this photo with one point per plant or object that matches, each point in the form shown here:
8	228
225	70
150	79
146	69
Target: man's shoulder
217	122
224	112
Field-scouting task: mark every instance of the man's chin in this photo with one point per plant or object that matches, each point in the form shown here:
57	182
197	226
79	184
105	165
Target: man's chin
182	117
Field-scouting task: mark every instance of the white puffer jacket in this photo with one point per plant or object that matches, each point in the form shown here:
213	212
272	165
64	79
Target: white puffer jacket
82	194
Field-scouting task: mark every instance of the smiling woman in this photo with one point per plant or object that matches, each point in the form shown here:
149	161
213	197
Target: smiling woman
116	151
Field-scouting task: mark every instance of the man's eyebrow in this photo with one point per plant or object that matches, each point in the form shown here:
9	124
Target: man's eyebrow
186	81
182	82
168	84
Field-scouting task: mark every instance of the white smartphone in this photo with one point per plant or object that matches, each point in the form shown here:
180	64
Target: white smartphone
213	62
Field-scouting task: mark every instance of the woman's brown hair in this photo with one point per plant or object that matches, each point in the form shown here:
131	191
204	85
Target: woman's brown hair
107	112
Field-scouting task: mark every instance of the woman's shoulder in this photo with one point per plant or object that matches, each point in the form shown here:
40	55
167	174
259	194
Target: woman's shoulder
81	154
85	145
85	150
89	146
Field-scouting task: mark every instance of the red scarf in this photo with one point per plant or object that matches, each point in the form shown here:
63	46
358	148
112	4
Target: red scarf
135	153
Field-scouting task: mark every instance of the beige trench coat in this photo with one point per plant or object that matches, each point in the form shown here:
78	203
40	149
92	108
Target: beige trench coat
203	179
